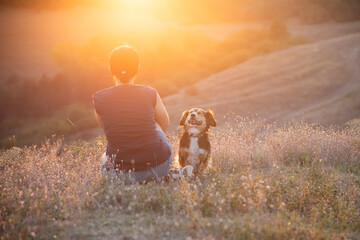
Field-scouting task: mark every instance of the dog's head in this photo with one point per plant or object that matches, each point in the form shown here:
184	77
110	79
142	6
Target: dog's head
197	120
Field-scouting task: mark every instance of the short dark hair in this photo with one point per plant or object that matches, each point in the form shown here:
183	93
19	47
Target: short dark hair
124	63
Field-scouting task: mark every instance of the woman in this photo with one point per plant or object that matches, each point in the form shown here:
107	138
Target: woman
134	120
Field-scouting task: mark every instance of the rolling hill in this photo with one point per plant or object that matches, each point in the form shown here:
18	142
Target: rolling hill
317	82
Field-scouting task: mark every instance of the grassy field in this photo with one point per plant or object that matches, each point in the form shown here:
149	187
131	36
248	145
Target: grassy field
300	181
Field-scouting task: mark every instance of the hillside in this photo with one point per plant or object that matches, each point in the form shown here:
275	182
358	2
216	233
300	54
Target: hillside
318	82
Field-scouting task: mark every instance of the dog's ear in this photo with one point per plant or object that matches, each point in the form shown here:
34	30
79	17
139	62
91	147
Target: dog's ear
183	118
210	118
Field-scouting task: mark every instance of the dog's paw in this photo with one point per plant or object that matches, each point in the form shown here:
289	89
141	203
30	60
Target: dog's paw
174	174
213	169
177	174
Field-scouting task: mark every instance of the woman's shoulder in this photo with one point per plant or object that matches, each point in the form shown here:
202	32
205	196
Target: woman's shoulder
146	88
150	92
135	89
104	91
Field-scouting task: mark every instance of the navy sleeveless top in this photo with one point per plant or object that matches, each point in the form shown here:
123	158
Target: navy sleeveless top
127	113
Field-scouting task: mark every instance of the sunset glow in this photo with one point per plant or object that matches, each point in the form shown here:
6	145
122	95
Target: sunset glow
139	4
242	121
133	6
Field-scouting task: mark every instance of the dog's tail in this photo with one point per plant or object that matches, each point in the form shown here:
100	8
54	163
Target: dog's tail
186	171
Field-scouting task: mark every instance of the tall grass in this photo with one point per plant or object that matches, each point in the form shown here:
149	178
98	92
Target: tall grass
300	181
254	144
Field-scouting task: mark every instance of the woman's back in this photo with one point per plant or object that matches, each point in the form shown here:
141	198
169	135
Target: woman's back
127	115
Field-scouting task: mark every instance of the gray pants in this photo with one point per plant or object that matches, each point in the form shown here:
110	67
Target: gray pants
155	173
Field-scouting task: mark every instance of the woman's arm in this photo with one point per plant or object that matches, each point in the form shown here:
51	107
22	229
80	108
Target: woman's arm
161	115
97	117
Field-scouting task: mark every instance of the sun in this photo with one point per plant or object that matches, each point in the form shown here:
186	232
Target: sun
133	14
139	3
134	6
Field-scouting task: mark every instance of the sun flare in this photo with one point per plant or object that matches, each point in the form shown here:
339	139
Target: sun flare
134	6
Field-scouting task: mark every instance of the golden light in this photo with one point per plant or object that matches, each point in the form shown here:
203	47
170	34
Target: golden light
133	13
133	6
139	4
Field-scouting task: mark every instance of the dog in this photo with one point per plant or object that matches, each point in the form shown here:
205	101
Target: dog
194	144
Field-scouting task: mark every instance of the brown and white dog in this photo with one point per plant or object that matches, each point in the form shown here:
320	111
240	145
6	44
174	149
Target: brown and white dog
194	144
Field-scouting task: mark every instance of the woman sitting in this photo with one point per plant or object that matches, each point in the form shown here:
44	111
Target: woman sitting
134	119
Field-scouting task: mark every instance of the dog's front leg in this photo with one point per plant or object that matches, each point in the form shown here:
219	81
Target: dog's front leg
183	156
204	162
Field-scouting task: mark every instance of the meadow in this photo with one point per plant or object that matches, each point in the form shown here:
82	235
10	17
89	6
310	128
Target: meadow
299	181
